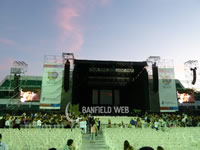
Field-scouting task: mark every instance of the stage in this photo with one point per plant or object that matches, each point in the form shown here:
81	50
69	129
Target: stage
110	86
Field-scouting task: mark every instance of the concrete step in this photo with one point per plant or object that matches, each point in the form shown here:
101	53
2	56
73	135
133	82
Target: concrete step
99	143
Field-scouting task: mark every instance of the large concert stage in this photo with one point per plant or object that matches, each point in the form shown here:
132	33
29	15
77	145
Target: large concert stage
107	84
99	87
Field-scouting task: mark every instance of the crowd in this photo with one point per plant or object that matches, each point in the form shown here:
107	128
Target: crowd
127	146
91	125
87	123
171	120
84	121
159	121
39	120
33	120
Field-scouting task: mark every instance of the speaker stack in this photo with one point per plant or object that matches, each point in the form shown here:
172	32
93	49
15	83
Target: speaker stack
155	77
66	75
194	75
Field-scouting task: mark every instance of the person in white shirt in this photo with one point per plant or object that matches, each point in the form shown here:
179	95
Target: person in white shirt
39	123
17	123
83	125
3	146
76	122
78	119
7	123
156	123
34	123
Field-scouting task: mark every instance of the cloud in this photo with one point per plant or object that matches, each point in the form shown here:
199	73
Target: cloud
6	41
69	13
71	33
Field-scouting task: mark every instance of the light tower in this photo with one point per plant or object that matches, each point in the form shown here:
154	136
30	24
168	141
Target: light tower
18	68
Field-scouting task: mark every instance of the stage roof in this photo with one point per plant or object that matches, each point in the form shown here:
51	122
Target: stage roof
110	63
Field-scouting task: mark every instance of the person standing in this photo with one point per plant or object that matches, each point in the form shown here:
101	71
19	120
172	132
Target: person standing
109	123
2	122
93	132
39	123
156	125
17	123
83	125
3	146
7	123
98	123
139	123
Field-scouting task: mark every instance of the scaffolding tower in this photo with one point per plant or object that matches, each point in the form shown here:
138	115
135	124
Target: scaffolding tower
150	61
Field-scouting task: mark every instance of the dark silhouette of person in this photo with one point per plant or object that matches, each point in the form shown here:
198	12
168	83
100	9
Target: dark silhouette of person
146	148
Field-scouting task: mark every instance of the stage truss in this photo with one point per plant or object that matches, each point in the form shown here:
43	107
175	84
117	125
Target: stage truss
68	57
53	59
150	61
160	63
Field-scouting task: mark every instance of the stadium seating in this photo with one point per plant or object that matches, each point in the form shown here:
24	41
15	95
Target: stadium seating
170	139
40	139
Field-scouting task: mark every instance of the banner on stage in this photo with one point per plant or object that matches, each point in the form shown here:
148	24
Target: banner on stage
167	90
51	86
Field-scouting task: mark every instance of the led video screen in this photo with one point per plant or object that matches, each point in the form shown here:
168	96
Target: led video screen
185	97
31	95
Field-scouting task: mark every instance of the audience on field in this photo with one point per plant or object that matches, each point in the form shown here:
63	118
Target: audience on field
155	121
92	126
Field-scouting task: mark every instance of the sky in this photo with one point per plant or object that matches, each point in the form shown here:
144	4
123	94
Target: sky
124	30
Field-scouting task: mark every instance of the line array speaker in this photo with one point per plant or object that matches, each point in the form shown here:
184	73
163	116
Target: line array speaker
66	75
155	78
194	75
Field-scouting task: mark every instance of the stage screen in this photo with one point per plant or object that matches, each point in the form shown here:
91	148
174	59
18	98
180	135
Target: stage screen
30	95
185	98
94	97
106	97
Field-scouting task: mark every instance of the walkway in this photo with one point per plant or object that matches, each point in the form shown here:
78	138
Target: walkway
98	145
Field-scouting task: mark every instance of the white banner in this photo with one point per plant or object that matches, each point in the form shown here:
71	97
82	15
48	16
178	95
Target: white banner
167	90
51	86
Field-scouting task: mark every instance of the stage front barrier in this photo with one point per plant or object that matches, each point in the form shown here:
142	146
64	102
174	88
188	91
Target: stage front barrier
52	86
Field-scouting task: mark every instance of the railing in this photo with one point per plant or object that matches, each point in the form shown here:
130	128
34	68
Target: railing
6	89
